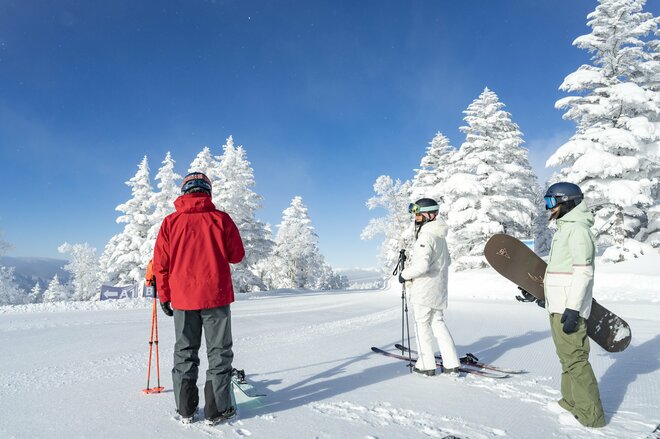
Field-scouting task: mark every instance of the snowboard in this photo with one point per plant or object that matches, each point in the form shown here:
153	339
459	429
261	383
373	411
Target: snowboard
518	263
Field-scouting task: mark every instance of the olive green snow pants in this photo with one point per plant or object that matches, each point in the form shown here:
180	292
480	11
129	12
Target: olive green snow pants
188	325
579	389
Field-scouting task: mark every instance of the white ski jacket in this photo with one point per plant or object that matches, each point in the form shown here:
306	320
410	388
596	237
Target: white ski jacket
429	267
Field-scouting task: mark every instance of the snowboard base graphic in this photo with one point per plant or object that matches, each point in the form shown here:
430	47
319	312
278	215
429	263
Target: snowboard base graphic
518	263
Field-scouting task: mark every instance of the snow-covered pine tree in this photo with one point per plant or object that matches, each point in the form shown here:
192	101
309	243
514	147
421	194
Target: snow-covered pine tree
492	188
613	156
329	280
649	79
653	228
85	270
397	224
205	163
236	196
125	257
10	292
36	294
163	201
434	170
56	292
296	261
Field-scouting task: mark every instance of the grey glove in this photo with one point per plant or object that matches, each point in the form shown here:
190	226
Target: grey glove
570	320
167	308
401	279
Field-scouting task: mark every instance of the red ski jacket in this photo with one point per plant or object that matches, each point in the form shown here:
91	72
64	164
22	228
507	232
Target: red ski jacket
193	250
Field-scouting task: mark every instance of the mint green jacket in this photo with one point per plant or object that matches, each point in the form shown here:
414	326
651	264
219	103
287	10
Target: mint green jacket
569	277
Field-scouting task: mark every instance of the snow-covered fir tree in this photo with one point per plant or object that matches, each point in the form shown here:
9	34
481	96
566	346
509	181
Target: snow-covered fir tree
492	188
236	196
10	292
613	156
86	277
653	228
36	294
163	200
125	257
434	170
649	79
396	226
56	292
296	261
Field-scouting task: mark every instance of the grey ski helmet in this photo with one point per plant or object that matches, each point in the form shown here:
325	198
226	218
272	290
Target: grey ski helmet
563	192
565	195
423	205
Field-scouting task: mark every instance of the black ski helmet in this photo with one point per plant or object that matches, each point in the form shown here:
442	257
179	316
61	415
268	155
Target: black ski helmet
196	180
423	205
565	195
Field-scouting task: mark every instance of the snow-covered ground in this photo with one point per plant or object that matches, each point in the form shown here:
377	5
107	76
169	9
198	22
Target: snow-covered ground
77	370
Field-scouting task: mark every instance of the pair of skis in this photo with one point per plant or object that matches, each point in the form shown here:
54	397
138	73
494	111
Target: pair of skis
469	364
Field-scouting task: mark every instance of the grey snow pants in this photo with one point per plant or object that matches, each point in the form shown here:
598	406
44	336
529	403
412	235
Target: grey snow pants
188	325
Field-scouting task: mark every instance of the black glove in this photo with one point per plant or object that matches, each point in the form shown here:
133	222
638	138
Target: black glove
529	297
570	320
167	308
525	296
401	279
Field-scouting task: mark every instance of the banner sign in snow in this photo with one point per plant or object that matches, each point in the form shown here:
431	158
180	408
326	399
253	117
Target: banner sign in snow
148	291
111	293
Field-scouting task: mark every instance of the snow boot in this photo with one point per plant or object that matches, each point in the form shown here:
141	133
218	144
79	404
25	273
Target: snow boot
223	417
428	373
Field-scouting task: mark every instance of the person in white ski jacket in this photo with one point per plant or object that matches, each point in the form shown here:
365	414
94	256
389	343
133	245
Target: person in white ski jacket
427	277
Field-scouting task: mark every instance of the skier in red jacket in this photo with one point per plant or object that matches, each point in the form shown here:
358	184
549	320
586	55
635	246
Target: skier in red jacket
194	248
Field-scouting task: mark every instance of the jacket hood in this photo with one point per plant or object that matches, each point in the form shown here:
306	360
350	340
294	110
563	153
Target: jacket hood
437	227
579	214
195	202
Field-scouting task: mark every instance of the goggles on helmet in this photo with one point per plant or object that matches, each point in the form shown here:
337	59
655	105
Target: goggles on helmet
417	209
550	202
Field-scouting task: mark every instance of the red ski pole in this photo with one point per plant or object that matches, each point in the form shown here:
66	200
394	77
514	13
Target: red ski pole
151	287
156	341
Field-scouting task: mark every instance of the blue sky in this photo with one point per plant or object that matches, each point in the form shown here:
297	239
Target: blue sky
325	96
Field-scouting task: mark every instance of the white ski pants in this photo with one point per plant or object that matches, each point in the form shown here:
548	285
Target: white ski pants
430	322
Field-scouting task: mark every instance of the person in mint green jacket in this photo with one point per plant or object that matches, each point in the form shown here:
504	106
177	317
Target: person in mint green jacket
568	286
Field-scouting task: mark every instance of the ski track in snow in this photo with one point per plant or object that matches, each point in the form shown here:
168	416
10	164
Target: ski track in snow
418	423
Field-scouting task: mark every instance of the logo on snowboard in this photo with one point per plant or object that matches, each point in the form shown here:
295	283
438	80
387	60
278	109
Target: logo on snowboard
504	253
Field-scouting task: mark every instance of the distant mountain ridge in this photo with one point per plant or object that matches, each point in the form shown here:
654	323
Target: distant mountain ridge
30	270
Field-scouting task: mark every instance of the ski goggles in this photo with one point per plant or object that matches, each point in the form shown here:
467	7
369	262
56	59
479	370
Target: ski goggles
553	201
417	209
550	202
